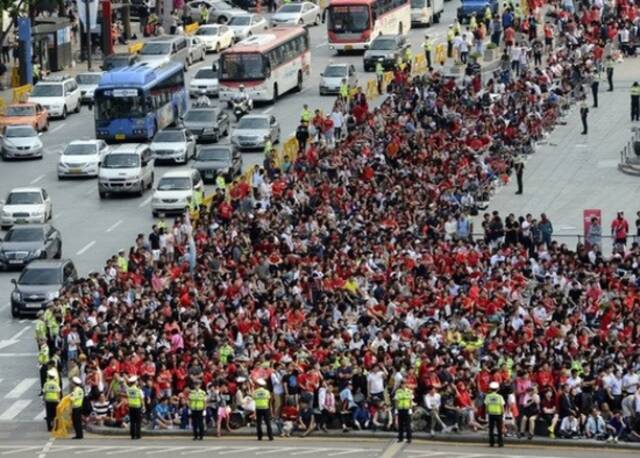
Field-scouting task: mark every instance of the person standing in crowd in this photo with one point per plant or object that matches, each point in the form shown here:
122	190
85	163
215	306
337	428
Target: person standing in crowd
197	403
619	231
52	395
262	398
404	403
427	47
519	169
584	112
494	405
43	361
635	101
135	399
595	85
608	65
77	402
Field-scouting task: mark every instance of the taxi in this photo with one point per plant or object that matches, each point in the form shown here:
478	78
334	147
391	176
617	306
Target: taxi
28	113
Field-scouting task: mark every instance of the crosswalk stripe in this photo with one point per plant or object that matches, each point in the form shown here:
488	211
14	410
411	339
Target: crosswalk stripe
40	416
21	388
14	409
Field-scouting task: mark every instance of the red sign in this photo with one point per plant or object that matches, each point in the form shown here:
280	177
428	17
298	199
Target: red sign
587	215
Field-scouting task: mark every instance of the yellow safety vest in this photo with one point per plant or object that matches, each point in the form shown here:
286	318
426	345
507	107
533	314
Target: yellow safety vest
267	146
403	398
488	13
408	55
450	35
262	397
43	354
41	329
635	91
123	264
198	197
306	115
77	396
221	183
53	325
379	69
134	396
494	404
344	90
473	24
51	391
197	399
428	45
224	353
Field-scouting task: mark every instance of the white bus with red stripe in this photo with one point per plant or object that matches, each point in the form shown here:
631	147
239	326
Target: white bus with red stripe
353	24
267	64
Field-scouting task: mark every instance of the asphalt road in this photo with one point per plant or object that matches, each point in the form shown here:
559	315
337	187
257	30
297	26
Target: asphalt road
93	229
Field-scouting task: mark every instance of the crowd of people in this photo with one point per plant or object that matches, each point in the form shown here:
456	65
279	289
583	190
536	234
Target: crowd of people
339	275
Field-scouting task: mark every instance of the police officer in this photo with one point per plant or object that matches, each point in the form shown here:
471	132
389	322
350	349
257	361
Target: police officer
450	36
135	399
519	167
408	57
262	397
51	397
77	400
41	328
494	405
427	46
379	75
608	65
43	361
595	85
404	402
635	102
197	401
344	90
123	262
584	112
306	114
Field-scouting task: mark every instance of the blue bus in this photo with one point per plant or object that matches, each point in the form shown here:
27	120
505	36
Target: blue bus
133	103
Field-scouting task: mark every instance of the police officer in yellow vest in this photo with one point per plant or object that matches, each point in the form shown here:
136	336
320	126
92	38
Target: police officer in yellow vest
262	398
221	183
306	114
404	402
427	46
41	327
43	360
344	90
473	23
635	102
77	400
494	405
488	14
51	397
379	75
408	56
450	36
197	403
135	398
268	147
123	262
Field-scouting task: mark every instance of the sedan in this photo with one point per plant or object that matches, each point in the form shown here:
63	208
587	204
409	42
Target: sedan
332	76
245	25
88	82
21	142
207	124
23	244
219	11
212	161
253	131
177	145
197	50
81	158
215	37
24	206
19	114
302	13
204	82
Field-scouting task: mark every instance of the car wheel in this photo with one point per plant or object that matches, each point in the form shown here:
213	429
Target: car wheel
217	48
222	20
15	313
153	177
154	214
275	93
5	228
77	110
140	191
189	61
102	194
299	85
300	22
64	112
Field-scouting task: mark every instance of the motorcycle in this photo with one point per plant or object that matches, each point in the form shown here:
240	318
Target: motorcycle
240	108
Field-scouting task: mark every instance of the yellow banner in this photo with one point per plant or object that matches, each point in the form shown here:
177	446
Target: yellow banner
62	424
20	93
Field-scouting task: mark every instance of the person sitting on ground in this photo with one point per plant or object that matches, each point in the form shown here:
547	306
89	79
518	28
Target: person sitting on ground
570	427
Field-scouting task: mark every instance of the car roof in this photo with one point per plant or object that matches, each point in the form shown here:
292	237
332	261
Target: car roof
25	189
128	148
90	73
336	64
178	174
173	129
203	109
47	263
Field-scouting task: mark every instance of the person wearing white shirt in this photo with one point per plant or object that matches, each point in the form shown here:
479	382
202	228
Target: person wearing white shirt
432	402
569	427
375	382
630	382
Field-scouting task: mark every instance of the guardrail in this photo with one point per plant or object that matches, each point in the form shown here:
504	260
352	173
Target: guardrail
20	93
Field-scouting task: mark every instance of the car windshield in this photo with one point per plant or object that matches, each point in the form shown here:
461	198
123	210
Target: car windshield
80	149
169	136
240	20
116	62
121	161
24	234
155	49
335	70
24	198
50	276
47	90
88	78
200	116
213	154
221	6
18	110
210	31
348	19
418	3
253	123
174	184
242	66
290	9
20	131
383	45
205	74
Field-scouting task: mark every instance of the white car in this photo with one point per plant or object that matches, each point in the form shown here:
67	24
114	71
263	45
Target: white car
81	158
245	25
88	82
21	142
173	144
60	95
204	82
25	206
197	50
332	76
215	37
302	13
173	191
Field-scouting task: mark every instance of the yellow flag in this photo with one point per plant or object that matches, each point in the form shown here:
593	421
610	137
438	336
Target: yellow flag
62	424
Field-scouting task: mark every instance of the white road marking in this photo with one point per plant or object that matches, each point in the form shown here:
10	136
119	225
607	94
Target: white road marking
23	321
36	179
267	110
20	449
57	215
310	451
13	339
145	202
114	225
345	452
46	448
85	248
21	388
16	355
238	450
275	450
201	450
164	450
14	409
57	128
125	450
40	416
320	45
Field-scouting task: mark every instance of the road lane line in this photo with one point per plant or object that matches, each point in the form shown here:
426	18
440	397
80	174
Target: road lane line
85	248
46	448
320	45
114	225
36	179
16	355
41	416
145	202
56	129
21	388
267	110
57	215
15	409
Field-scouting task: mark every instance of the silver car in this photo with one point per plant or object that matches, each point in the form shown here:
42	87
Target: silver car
204	82
177	145
88	82
219	11
21	142
197	50
300	13
332	76
245	25
253	131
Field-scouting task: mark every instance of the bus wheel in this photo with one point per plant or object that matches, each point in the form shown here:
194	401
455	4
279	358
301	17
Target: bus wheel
275	93
299	85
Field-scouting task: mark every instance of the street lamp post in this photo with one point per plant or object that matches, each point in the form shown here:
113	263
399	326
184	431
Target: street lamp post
87	26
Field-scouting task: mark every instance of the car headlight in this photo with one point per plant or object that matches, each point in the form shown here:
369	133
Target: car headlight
38	213
16	296
6	214
35	253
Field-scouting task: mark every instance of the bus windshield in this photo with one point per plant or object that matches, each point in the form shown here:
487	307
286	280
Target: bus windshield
109	108
242	66
348	19
418	3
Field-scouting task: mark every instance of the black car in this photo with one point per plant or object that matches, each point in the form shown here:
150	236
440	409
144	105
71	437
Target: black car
207	124
118	60
40	282
211	161
24	243
386	49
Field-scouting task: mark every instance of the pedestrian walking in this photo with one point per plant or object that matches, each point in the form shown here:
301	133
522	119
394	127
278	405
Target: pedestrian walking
51	397
404	401
135	399
77	401
197	398
494	405
635	102
584	113
609	63
519	168
262	398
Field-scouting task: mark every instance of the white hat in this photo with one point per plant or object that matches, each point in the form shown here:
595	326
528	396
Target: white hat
76	380
52	373
494	385
133	379
261	382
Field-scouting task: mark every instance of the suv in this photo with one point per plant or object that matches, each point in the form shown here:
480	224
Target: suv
173	191
60	95
385	49
126	168
40	282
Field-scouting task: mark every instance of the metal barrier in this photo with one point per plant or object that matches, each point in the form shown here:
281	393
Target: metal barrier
135	48
191	28
20	93
441	53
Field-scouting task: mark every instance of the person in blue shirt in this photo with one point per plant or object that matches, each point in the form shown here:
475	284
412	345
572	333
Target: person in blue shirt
161	415
362	416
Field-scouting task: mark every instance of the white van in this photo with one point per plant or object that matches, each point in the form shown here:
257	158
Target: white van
426	12
126	168
174	189
162	50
